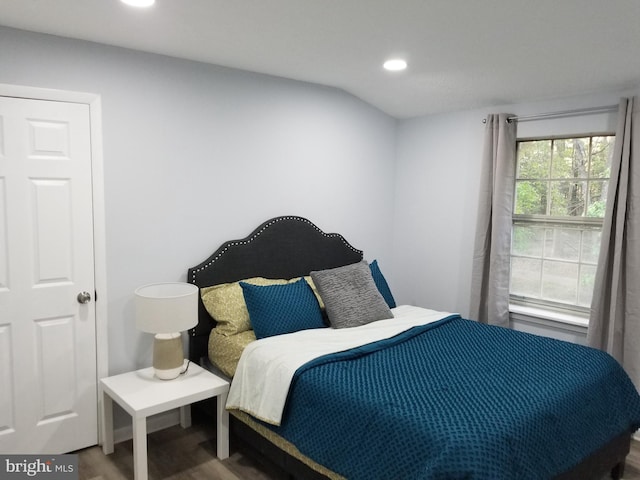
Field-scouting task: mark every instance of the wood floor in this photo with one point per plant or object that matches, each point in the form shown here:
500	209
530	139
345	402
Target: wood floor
177	453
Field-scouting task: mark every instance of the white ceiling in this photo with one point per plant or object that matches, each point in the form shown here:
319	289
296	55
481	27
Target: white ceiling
462	53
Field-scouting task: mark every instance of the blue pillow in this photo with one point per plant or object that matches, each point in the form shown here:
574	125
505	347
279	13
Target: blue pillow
278	309
381	283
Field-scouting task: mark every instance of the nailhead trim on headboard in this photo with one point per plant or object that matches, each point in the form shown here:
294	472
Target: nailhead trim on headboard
314	249
259	232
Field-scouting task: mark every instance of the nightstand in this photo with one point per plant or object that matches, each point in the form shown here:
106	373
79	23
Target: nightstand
141	395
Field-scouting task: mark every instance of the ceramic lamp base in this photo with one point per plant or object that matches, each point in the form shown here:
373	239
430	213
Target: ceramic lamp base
168	355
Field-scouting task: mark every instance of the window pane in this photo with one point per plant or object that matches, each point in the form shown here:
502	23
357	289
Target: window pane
527	240
560	199
562	244
531	198
587	280
601	151
568	199
525	277
534	159
597	198
590	246
560	281
570	158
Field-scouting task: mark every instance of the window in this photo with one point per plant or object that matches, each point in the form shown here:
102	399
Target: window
559	203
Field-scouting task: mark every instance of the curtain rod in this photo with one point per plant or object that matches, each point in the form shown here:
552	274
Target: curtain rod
562	113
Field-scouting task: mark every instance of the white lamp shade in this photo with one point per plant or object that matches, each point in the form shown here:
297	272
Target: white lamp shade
166	307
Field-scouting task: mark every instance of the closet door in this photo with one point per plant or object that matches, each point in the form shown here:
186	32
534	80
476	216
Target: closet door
48	386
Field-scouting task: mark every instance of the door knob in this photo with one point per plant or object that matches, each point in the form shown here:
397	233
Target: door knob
84	297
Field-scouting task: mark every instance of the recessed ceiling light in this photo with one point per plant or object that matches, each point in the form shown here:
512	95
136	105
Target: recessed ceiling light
139	3
395	65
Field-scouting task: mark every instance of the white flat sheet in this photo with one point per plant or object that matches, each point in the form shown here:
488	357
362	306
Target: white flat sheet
261	383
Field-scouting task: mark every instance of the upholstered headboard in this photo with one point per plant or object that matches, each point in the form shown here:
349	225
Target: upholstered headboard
283	247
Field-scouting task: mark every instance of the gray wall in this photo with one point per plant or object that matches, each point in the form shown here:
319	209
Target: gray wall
438	166
196	154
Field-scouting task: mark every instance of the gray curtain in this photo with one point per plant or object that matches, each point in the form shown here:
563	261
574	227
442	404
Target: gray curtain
614	324
491	256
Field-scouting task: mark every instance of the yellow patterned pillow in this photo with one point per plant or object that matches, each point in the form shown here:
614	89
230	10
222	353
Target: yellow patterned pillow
225	303
225	350
309	280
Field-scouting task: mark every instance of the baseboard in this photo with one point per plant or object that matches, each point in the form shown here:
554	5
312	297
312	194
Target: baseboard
154	423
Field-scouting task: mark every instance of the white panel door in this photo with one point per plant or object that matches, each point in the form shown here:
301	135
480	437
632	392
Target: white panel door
48	386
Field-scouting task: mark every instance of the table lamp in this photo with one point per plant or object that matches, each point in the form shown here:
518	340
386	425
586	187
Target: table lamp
167	309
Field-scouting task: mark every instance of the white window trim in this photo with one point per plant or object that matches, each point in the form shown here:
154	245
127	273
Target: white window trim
550	316
533	313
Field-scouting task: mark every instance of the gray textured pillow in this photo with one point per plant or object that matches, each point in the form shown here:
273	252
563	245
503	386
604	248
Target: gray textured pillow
350	295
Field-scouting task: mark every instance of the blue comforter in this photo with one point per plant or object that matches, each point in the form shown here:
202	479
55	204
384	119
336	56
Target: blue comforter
458	400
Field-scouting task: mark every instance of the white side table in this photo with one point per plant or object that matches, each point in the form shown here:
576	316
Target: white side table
141	394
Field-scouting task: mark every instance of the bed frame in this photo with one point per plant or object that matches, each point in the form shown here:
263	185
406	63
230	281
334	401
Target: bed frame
289	247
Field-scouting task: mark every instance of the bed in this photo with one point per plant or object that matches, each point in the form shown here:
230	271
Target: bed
290	247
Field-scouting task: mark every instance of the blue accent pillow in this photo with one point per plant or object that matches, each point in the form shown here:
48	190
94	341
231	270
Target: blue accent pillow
381	283
278	309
